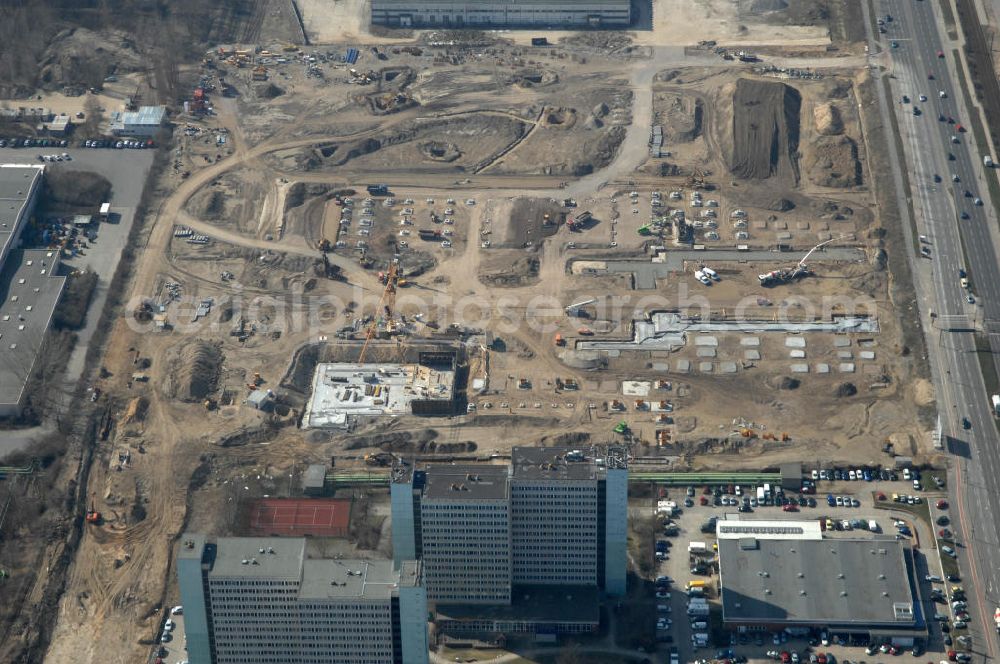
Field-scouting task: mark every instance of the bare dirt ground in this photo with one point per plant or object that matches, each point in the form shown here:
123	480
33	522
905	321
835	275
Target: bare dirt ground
507	133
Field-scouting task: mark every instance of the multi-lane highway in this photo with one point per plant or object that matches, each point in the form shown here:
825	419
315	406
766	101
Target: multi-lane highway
914	48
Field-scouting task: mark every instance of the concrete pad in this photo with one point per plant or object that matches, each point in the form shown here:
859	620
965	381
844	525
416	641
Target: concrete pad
683	366
823	236
727	367
706	341
750	341
661	366
841	342
706	352
867	343
823	368
845	355
846	367
706	367
795	342
636	388
802	225
796	354
751	354
613	353
867	355
784	236
799	368
822	226
780	225
871	369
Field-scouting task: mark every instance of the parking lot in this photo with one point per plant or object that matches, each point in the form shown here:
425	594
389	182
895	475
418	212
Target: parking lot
174	649
845	508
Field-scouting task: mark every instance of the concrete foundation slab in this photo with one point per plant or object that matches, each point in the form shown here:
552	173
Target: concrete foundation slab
795	342
706	367
706	352
706	341
750	341
796	354
799	368
822	368
751	354
683	366
846	367
867	355
727	367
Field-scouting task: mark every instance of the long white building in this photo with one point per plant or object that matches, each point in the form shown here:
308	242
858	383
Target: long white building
265	601
556	14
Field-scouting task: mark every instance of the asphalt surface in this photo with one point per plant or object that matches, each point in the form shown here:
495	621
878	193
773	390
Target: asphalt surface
961	391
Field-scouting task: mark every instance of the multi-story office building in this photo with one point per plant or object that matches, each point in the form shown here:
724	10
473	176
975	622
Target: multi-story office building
254	600
561	14
556	517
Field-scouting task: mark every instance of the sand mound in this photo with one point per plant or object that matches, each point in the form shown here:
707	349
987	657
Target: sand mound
765	130
828	120
196	371
923	392
834	162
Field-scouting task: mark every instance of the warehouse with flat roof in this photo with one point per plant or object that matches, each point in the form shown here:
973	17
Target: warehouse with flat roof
456	14
857	588
30	287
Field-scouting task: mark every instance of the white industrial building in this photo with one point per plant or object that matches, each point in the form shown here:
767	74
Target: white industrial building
143	123
30	286
266	600
557	14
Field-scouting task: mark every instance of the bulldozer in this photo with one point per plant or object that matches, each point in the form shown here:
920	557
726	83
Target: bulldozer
380	459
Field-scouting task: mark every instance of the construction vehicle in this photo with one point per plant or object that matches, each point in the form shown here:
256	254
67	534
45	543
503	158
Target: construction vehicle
621	428
585	331
559	341
785	275
93	516
576	223
574	309
380	459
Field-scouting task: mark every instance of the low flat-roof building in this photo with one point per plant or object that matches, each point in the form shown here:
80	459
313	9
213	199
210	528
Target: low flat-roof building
145	122
554	14
858	588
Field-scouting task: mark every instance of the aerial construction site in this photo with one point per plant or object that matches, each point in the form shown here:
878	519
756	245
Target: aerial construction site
367	246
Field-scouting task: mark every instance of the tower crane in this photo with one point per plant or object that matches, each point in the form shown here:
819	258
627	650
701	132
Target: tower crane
386	305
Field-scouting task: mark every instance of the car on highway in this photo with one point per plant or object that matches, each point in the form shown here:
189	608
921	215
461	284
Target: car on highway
894	44
948	551
933	578
966	423
977	201
925	252
937	178
923	97
940	54
955	178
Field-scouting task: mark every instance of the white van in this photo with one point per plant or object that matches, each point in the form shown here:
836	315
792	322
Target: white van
701	624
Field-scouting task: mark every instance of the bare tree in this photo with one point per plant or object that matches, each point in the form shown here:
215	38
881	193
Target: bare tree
93	118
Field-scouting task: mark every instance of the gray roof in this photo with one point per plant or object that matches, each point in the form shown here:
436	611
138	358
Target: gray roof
549	463
863	582
29	293
347	579
315	476
16	183
281	557
466	482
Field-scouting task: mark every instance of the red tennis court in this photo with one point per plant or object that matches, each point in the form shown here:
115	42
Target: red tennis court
321	517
